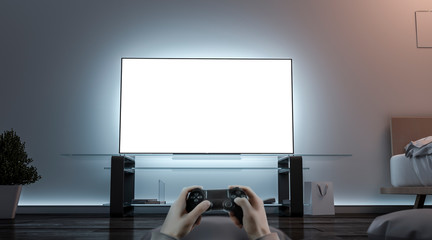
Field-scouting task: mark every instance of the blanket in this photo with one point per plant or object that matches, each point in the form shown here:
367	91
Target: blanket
418	148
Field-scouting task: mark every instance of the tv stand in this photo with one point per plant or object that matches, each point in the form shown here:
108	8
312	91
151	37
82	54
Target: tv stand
122	187
290	186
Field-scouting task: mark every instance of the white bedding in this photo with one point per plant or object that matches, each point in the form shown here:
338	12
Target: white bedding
408	172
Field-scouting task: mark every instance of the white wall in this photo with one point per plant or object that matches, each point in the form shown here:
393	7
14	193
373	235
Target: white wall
355	65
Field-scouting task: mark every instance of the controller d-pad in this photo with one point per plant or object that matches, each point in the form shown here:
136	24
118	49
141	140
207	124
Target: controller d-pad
196	195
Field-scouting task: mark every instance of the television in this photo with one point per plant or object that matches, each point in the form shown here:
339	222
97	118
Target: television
206	106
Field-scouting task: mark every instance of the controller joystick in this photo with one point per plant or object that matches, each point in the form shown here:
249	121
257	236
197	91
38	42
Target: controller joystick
219	199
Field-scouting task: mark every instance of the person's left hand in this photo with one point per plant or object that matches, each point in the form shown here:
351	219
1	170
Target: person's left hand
178	222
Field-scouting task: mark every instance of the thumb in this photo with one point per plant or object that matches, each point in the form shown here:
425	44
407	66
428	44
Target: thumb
199	209
243	203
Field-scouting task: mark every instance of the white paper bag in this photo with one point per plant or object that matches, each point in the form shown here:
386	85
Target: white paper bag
319	198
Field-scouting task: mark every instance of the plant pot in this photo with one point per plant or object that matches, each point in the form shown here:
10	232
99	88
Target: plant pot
9	197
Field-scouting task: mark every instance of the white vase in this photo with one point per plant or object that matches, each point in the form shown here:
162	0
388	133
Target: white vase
9	197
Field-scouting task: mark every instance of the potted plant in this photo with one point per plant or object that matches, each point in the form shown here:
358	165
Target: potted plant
14	172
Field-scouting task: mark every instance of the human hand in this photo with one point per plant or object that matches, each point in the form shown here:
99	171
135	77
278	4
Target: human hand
178	223
254	215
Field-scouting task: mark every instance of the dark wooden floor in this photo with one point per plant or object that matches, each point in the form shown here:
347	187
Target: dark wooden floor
79	226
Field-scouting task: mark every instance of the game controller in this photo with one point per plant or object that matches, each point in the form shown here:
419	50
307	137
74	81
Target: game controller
219	199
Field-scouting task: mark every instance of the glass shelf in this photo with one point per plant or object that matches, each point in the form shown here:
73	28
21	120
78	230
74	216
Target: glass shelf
264	155
206	168
321	155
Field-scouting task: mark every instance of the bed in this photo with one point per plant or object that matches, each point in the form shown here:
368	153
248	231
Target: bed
410	175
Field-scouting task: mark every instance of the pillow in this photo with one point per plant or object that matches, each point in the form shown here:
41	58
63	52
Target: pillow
413	224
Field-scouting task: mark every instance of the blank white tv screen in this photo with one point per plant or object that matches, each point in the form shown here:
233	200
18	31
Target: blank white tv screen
206	106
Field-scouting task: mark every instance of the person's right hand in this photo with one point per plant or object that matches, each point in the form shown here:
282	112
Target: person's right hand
254	215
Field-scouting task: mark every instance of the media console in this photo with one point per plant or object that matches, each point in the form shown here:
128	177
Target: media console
290	186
